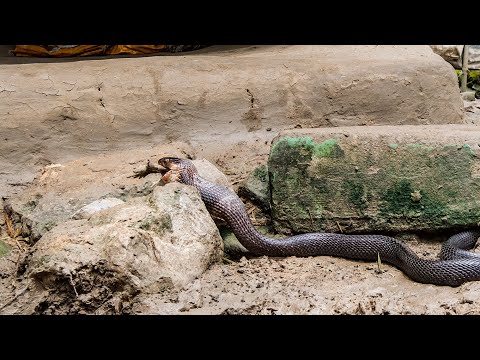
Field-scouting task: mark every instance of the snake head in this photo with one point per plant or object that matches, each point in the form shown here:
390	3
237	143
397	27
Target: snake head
171	163
181	170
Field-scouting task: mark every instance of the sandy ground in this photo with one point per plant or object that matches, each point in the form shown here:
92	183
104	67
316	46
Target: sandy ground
313	285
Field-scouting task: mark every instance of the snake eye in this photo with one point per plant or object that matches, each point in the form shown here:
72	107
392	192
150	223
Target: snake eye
167	162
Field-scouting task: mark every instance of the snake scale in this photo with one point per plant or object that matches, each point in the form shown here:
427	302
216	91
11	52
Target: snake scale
455	266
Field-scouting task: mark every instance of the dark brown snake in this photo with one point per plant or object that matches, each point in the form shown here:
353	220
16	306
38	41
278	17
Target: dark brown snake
455	266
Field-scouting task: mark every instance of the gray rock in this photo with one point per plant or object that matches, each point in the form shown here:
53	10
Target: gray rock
232	247
257	188
147	244
210	172
96	206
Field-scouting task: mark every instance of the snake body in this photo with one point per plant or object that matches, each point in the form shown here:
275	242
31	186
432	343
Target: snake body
455	266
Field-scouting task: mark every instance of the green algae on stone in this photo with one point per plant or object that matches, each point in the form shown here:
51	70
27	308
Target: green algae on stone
327	148
399	200
357	194
468	149
418	147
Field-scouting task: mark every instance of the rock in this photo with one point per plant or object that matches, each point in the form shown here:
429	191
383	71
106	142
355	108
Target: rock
257	188
54	112
145	245
468	95
62	190
210	172
376	178
96	206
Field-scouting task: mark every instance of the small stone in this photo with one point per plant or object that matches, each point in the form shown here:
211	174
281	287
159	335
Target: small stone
416	196
468	96
225	272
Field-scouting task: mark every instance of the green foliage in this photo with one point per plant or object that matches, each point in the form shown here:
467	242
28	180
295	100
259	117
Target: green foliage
473	81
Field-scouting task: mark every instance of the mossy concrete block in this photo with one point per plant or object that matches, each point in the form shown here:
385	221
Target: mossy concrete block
257	188
375	178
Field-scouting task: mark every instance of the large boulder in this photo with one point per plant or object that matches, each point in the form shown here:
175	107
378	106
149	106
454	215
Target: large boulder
145	245
376	178
56	111
62	191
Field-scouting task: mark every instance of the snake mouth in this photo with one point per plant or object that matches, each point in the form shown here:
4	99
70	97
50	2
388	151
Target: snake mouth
171	163
172	166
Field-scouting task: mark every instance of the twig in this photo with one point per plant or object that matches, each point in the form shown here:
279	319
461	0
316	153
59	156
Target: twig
71	282
379	264
229	261
339	227
18	245
13	232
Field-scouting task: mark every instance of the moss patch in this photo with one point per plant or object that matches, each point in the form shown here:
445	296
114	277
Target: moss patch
327	148
158	225
4	248
403	200
357	194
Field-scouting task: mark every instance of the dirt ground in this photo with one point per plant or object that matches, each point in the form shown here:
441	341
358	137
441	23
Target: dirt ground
262	285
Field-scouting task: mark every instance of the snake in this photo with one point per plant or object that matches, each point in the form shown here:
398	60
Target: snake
455	264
